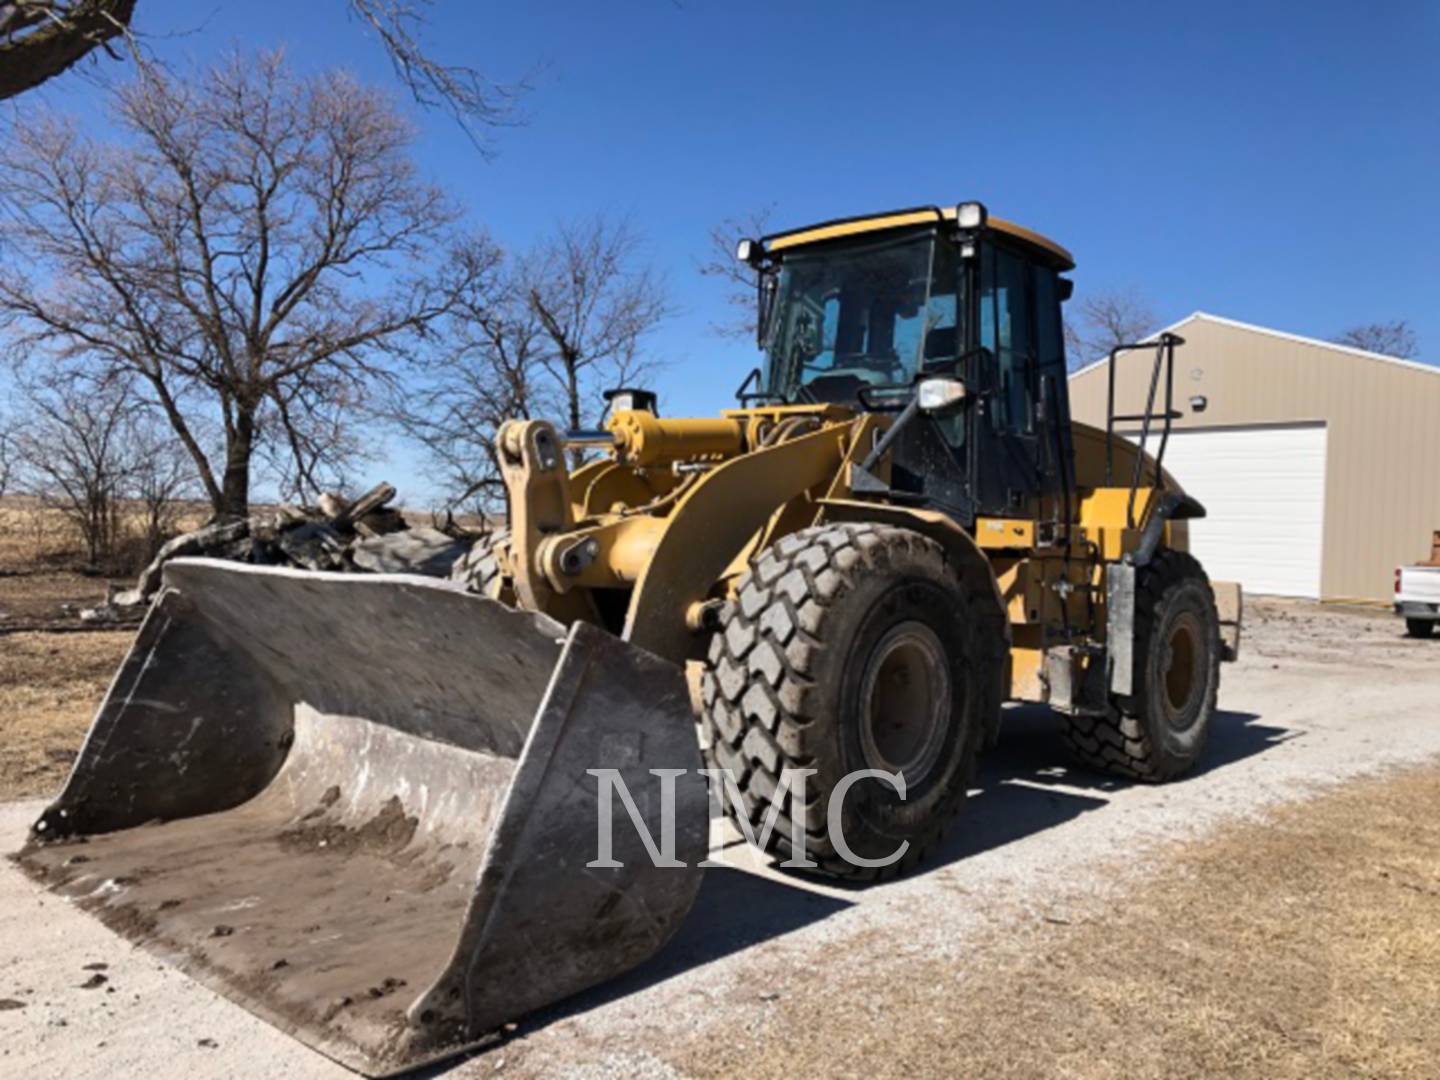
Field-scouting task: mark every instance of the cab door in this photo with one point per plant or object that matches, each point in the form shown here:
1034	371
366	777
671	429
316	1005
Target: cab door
1006	477
1021	456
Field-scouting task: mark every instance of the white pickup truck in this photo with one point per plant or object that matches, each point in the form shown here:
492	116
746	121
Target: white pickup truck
1417	594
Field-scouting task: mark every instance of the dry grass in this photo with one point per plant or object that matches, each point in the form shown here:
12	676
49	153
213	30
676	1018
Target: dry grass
35	537
50	685
1307	944
30	535
42	580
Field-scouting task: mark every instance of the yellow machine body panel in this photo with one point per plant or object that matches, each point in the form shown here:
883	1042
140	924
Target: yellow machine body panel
834	230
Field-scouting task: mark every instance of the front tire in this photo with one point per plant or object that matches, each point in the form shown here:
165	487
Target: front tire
850	646
480	569
1160	730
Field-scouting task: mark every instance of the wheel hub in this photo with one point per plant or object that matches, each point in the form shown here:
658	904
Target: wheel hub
1180	669
905	702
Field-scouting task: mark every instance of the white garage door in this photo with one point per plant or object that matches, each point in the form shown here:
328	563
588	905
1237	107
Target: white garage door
1264	488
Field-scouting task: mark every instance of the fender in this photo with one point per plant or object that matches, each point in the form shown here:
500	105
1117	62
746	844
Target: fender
713	521
1173	506
1120	588
961	551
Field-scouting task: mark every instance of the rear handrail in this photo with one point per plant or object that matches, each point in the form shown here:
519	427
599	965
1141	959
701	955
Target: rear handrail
1164	347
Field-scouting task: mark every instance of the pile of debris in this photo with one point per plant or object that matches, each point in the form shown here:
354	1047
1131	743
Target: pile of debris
337	534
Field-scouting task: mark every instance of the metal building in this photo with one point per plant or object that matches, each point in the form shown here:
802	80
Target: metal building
1319	464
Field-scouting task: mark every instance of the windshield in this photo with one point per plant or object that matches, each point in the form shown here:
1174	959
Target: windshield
861	315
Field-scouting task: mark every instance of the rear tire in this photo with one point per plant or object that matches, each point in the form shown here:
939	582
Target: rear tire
1160	731
850	646
1420	628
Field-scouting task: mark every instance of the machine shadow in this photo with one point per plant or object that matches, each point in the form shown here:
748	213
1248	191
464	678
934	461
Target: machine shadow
734	910
1026	785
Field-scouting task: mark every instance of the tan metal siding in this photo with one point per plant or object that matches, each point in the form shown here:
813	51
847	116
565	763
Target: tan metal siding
1382	493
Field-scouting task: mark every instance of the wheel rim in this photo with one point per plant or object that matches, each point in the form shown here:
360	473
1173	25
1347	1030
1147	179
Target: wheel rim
1181	669
905	702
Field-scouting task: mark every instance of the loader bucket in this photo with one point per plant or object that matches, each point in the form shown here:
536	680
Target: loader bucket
358	805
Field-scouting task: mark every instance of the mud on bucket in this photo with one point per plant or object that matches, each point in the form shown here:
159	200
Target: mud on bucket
359	806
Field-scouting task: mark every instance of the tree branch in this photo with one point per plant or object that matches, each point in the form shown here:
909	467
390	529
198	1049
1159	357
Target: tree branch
43	39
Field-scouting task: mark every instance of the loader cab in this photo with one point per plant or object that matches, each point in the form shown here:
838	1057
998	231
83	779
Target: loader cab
856	312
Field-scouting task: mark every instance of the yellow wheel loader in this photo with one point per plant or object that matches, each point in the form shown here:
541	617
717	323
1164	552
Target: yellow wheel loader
392	814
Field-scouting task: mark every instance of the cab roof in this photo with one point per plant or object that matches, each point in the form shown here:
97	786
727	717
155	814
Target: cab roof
899	219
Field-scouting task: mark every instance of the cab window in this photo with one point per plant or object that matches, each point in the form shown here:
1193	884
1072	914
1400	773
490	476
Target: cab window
853	316
1049	335
1006	330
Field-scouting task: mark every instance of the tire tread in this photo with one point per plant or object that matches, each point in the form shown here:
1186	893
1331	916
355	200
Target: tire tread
761	710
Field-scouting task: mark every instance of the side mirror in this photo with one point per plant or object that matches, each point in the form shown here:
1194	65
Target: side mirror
940	395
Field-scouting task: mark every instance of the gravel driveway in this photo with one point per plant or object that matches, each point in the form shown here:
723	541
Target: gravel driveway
1319	696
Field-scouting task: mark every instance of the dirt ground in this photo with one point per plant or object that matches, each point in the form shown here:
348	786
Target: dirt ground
46	598
1275	914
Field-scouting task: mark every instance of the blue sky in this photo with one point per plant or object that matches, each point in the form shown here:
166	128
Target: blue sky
1275	163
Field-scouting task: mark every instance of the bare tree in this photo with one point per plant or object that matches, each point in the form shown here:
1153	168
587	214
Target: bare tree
544	336
8	452
738	280
39	39
1103	320
160	479
475	102
221	257
1395	338
93	453
596	302
73	450
489	373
